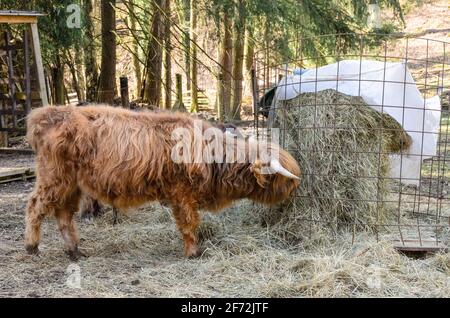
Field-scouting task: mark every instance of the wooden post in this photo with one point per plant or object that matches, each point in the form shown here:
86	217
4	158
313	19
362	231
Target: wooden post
48	88
12	85
179	105
38	61
254	93
124	92
3	134
27	71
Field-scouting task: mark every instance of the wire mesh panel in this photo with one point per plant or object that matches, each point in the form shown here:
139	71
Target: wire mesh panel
367	118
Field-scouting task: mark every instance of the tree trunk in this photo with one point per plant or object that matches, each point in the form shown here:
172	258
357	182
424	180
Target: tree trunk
249	51
179	105
80	72
187	42
152	89
135	48
90	55
193	55
219	97
73	71
225	72
167	57
266	54
238	60
58	82
107	86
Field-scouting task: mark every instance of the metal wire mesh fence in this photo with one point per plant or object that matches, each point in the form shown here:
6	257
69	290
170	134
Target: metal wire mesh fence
368	121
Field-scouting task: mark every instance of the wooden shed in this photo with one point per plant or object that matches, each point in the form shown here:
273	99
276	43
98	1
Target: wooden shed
22	80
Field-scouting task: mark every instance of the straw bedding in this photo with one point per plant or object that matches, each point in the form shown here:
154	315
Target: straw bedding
142	257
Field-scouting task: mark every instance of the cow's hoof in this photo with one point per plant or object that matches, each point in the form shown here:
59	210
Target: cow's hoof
87	218
75	255
193	253
32	249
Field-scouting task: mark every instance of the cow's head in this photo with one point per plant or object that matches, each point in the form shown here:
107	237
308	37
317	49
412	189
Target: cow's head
275	178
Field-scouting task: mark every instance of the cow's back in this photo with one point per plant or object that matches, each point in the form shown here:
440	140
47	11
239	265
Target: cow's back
132	162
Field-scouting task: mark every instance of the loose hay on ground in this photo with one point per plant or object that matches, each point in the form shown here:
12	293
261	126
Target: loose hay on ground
142	256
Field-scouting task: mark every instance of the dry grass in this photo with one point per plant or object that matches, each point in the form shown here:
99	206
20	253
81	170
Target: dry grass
142	256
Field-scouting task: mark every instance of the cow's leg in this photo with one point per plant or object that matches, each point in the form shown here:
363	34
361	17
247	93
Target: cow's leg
67	227
188	220
37	209
52	199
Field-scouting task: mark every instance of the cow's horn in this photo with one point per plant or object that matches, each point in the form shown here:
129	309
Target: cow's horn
278	168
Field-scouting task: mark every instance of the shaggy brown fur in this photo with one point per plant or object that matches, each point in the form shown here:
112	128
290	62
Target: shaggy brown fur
90	208
123	158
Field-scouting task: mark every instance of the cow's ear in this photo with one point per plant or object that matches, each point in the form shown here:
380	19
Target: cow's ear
257	169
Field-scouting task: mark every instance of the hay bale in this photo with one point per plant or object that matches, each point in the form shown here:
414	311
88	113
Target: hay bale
342	147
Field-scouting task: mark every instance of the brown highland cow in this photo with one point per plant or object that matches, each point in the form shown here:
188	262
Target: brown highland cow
124	159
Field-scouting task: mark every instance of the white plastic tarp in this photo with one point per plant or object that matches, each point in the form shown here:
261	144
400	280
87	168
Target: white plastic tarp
388	88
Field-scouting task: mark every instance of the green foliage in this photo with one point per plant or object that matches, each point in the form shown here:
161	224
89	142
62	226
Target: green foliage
55	35
281	27
387	28
280	24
